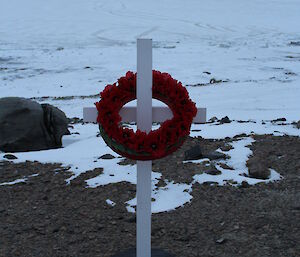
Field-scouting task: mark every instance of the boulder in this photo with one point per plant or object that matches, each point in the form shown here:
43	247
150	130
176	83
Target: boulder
56	123
26	125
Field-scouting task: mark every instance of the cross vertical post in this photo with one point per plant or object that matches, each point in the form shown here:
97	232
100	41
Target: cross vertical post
144	168
144	114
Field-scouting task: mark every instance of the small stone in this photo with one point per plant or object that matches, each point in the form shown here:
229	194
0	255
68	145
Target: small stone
225	166
226	148
214	81
100	226
241	135
193	153
278	120
10	157
236	226
91	237
127	161
131	220
55	230
295	43
107	157
225	120
210	183
259	173
214	155
213	170
258	167
230	182
244	184
245	121
213	119
184	238
221	240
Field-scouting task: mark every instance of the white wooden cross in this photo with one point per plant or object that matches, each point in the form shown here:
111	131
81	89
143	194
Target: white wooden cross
144	115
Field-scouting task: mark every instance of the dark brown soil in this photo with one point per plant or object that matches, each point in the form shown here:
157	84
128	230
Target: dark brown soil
45	217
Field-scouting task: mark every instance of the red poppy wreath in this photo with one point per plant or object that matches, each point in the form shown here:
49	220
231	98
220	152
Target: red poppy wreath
140	145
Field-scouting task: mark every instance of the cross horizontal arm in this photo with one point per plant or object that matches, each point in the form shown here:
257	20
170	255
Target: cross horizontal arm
128	114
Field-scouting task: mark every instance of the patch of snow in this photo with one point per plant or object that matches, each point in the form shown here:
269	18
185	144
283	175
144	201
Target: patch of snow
238	158
166	198
212	130
17	181
81	153
197	161
274	175
110	202
33	175
239	154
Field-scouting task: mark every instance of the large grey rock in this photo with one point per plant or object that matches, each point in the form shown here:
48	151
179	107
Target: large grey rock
56	123
26	125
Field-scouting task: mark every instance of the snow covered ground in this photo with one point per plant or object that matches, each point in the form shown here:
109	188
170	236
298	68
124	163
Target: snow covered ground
74	48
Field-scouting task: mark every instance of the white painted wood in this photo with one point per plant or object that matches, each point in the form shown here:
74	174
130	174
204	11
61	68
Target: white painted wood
144	114
144	168
200	116
143	209
128	114
90	114
144	84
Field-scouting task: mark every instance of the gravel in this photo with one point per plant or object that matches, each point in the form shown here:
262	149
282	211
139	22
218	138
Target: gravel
44	216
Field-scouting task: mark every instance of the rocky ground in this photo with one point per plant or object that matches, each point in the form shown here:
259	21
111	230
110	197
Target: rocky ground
45	217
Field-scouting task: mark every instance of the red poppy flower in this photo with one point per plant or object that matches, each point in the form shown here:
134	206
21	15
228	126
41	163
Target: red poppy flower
140	145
